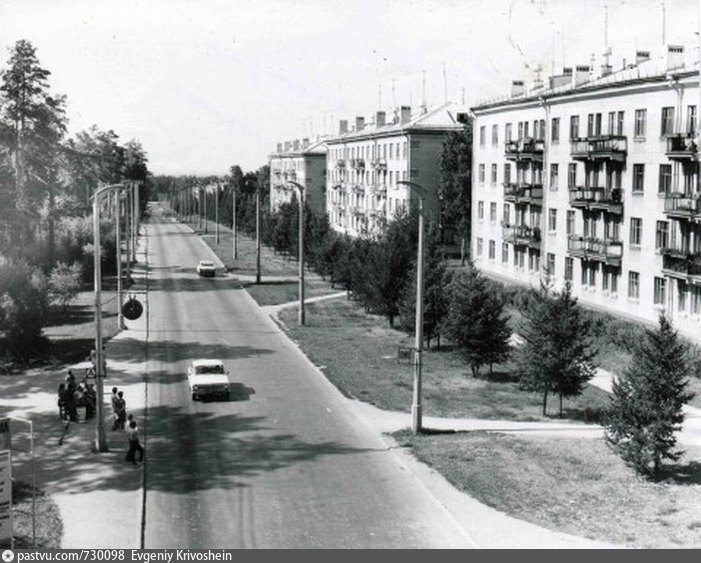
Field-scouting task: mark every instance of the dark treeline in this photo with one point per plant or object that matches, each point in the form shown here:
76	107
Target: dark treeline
47	179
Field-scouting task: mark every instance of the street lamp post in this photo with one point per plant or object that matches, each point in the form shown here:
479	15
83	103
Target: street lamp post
233	222
120	297
300	190
216	213
257	234
100	435
418	334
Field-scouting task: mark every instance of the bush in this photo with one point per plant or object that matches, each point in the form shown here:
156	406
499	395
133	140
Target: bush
65	282
24	304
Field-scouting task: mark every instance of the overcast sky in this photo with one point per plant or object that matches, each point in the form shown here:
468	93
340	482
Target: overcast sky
205	84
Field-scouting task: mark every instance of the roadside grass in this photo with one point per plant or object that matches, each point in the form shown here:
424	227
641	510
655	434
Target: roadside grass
278	273
358	353
573	485
49	526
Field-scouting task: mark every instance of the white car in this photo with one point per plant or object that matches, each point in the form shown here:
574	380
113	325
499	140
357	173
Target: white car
205	268
208	378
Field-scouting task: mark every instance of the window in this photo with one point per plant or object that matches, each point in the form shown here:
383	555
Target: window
695	295
552	220
506	213
479	246
533	261
569	262
555	130
660	289
572	175
553	176
691	119
570	221
507	132
667	121
480	210
662	235
574	127
495	135
504	253
636	230
520	130
493	212
640	119
541	130
584	279
609	280
612	123
665	185
638	178
507	173
682	290
494	174
481	173
550	264
619	123
483	135
492	250
634	285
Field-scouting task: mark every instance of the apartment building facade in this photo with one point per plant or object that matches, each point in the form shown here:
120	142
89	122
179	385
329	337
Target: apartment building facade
365	166
301	161
595	181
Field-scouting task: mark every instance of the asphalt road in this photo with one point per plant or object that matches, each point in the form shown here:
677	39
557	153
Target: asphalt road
284	463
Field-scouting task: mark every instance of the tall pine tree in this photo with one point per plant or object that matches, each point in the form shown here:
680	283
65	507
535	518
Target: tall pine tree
646	405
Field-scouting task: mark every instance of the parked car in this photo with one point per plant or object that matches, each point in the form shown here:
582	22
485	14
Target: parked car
205	268
208	378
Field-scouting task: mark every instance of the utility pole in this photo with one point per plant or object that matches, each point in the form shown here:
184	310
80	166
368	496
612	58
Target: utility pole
257	234
300	190
216	214
233	222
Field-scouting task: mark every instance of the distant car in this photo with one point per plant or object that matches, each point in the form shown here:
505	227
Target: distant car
208	378
205	268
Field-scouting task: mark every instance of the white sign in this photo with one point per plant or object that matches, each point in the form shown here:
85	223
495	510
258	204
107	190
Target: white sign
5	497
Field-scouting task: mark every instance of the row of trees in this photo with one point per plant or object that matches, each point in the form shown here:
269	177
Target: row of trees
46	182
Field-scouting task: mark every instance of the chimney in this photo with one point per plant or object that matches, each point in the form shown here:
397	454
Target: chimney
562	79
675	56
296	144
305	143
405	114
343	126
359	123
380	119
517	88
287	146
581	74
537	83
640	57
279	147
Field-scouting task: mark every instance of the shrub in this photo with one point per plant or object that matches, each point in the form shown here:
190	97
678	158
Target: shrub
65	282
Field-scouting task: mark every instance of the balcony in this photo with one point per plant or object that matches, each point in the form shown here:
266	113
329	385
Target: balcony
597	198
358	189
602	147
340	163
523	193
683	206
609	252
379	164
523	150
379	189
521	235
358	163
682	147
681	264
377	213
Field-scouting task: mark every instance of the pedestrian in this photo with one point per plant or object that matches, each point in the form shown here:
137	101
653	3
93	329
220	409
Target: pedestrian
115	404
121	411
61	401
134	444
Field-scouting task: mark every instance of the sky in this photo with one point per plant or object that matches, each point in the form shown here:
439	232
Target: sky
206	84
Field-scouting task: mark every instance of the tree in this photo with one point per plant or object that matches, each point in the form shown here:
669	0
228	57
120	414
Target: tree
557	354
455	185
475	322
65	283
645	407
33	124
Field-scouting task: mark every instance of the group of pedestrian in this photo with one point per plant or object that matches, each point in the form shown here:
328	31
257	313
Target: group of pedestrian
73	395
122	421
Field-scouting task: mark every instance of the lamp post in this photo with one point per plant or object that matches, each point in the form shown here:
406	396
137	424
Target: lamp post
216	213
100	436
120	297
300	190
233	221
257	234
419	331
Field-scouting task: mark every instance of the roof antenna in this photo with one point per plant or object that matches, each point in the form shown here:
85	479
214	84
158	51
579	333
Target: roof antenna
423	101
445	84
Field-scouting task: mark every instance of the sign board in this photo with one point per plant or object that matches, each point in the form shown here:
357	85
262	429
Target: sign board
132	309
405	355
5	497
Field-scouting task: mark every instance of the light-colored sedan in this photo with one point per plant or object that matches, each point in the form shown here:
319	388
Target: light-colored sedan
208	378
205	268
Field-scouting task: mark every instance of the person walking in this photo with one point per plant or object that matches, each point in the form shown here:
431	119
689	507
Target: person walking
115	405
121	411
134	444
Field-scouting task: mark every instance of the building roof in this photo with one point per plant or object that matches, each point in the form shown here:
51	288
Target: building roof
649	71
439	118
315	148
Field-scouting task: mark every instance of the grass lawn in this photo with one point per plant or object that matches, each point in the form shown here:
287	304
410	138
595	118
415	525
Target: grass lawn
49	526
272	290
573	485
358	353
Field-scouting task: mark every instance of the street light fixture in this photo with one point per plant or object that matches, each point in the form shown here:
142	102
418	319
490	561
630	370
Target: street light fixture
300	190
419	337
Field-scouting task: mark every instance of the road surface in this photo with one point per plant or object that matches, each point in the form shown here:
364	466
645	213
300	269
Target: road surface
285	463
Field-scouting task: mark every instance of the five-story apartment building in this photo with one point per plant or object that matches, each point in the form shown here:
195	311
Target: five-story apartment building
303	162
595	181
